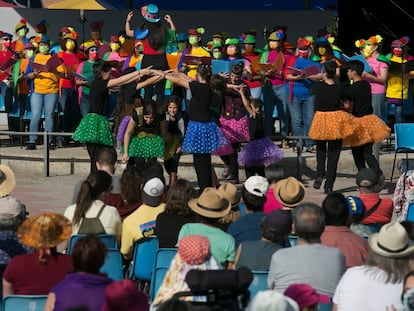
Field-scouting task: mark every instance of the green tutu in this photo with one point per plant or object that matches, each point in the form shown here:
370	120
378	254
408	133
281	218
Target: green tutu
94	128
171	147
146	146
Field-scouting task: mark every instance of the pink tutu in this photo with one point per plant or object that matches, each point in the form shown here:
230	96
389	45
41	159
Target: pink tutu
236	131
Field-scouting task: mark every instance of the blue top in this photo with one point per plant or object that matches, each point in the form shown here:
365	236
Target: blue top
302	88
246	228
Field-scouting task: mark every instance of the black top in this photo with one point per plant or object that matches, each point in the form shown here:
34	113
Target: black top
167	228
153	128
202	98
256	126
99	97
360	94
327	96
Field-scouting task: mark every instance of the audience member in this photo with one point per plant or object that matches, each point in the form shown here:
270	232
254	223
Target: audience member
377	284
90	215
176	214
209	208
290	192
124	295
378	211
403	194
193	253
337	234
129	198
409	227
84	288
247	227
306	297
275	227
141	223
230	192
273	173
37	272
271	300
7	181
309	262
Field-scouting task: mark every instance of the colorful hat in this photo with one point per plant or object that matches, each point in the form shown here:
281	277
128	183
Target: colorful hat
89	44
305	295
211	204
279	33
10	210
182	36
21	24
194	249
150	13
42	27
219	34
377	40
7	180
289	191
270	299
124	295
303	43
114	39
397	44
153	191
44	230
229	191
71	35
44	39
216	46
356	206
196	32
5	34
28	45
322	41
249	39
234	41
96	26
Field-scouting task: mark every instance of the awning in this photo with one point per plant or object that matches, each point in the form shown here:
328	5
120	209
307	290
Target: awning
77	5
5	4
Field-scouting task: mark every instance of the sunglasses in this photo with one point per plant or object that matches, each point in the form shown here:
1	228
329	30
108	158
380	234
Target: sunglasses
93	50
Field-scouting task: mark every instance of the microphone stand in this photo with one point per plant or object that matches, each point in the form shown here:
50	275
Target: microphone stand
82	20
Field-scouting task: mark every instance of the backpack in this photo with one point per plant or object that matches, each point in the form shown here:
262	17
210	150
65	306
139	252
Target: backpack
357	208
92	225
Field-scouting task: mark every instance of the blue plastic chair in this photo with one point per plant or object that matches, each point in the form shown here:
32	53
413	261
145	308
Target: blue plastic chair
410	212
325	306
24	303
404	142
108	239
143	261
163	258
113	265
258	283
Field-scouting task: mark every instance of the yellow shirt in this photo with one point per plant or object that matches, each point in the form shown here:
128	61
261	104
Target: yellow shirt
192	69
45	82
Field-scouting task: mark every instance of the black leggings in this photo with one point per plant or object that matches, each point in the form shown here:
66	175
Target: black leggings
93	151
202	165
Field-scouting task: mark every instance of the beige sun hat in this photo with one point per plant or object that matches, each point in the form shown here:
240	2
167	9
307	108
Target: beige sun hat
211	204
229	191
7	180
289	191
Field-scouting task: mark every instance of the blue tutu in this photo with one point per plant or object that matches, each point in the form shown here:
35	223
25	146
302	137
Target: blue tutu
203	137
260	152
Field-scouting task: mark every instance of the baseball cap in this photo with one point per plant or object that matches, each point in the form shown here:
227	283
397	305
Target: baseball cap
367	177
256	185
278	223
153	191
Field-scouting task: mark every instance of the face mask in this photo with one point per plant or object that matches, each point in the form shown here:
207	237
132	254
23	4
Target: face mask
93	55
216	55
303	53
22	32
397	52
273	45
181	45
44	49
216	40
70	45
114	47
6	44
122	40
193	40
368	50
321	51
231	50
29	53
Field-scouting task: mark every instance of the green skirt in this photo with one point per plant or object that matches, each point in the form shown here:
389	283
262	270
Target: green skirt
94	128
148	146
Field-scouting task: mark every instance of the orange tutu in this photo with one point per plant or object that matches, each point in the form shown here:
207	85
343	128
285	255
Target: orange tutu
371	129
332	125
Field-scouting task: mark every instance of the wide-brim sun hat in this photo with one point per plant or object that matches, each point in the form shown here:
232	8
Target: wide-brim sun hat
289	191
150	13
46	230
7	180
229	191
210	204
391	241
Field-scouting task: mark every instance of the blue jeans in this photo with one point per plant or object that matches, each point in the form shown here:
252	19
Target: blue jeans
301	113
38	102
275	95
399	118
256	92
85	105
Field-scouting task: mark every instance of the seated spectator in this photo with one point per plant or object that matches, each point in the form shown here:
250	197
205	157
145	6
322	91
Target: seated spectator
403	194
193	253
306	297
106	162
176	214
35	273
141	223
209	208
275	227
378	284
309	262
408	285
84	288
273	173
378	211
229	191
90	215
337	234
271	300
290	192
124	295
129	198
7	181
247	227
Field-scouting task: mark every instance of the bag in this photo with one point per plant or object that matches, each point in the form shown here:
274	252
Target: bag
357	208
92	225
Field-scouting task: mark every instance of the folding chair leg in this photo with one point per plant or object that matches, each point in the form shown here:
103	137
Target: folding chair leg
393	166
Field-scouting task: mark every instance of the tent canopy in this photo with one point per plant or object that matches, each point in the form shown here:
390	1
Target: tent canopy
77	5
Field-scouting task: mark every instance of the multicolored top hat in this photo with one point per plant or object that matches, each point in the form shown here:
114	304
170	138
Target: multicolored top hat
46	230
150	13
7	180
196	31
21	24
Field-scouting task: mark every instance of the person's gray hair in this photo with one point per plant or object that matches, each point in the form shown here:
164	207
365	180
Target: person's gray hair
309	221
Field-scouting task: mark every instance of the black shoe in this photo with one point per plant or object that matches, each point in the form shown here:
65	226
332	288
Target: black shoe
318	182
328	190
31	146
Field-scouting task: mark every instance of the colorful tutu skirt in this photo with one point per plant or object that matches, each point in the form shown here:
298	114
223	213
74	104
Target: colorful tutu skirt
146	145
122	129
371	129
236	131
332	125
171	147
260	152
94	128
203	137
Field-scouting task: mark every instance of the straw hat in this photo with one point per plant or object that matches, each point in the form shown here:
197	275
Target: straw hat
7	180
229	191
45	230
289	191
211	204
392	241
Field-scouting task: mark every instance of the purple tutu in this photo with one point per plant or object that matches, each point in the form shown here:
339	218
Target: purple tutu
236	131
260	152
122	129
